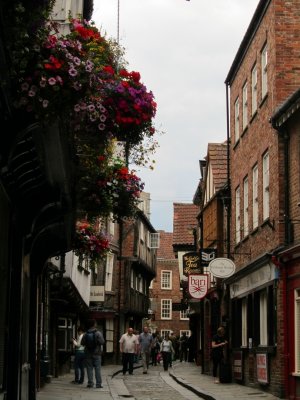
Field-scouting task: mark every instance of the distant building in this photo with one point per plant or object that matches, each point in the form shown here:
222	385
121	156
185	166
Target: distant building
167	312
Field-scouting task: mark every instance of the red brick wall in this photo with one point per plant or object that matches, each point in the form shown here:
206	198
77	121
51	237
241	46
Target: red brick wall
156	293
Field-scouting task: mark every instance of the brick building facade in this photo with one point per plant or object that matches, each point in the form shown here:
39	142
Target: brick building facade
165	292
263	75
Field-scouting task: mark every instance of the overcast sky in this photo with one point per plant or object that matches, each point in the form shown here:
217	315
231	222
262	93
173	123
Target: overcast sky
183	51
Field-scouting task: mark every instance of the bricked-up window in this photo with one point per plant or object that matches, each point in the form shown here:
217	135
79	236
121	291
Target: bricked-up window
166	280
264	76
237	120
246	207
244	323
109	272
297	331
254	90
255	197
266	194
166	309
237	215
245	105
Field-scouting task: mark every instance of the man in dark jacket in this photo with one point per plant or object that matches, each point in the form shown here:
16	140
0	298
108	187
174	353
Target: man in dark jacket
93	342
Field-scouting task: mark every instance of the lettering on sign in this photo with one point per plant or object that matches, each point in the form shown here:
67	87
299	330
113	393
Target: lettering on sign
97	293
262	367
198	284
237	365
191	263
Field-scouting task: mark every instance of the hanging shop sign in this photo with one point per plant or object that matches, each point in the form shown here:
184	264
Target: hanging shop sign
221	267
198	285
191	263
207	255
97	293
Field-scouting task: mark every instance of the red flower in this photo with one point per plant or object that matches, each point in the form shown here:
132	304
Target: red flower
53	63
109	69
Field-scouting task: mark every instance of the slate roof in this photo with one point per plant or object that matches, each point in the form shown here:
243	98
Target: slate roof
217	158
165	250
184	218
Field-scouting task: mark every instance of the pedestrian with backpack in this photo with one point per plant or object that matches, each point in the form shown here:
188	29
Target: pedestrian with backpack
93	342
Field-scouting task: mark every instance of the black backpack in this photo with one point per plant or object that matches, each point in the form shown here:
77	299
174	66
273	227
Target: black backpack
90	341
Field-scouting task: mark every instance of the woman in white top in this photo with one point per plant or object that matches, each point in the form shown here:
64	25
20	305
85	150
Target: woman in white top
79	357
166	349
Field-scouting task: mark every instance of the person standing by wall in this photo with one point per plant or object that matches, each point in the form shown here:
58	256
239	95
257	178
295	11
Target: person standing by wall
145	341
218	343
128	348
79	357
183	340
167	350
93	342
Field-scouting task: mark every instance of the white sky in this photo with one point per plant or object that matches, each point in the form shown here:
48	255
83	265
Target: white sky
183	51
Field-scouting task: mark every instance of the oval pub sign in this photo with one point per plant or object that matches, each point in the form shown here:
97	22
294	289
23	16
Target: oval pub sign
221	267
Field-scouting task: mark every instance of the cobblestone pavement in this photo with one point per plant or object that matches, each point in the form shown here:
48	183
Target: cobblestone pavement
182	382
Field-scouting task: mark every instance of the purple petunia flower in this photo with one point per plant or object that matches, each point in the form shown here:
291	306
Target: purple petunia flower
72	72
101	127
77	107
52	81
25	86
45	103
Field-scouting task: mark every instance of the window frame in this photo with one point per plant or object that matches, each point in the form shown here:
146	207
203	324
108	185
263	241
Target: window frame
246	206
237	120
238	214
264	71
166	304
245	105
109	268
162	279
254	89
255	213
266	186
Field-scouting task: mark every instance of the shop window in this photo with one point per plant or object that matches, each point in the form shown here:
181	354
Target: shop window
64	334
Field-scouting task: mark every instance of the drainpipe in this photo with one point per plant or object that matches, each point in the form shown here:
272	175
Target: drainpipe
228	175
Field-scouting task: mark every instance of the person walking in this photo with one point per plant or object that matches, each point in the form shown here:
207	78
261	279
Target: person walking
79	357
93	342
173	339
183	340
155	347
145	342
218	343
167	350
128	348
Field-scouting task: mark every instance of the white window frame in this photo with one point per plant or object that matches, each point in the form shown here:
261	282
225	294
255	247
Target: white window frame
166	309
187	332
244	323
255	197
166	279
111	226
109	335
254	90
246	207
264	71
184	315
266	187
263	318
142	232
245	105
237	214
297	331
163	332
154	240
109	272
236	120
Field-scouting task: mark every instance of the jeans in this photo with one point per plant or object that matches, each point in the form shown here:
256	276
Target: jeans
93	362
145	360
127	361
79	366
167	359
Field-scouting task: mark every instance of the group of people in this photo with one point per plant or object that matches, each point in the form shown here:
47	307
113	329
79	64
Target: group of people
88	349
152	347
89	346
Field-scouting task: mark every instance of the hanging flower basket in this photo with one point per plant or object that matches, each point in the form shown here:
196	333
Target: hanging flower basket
90	243
112	189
